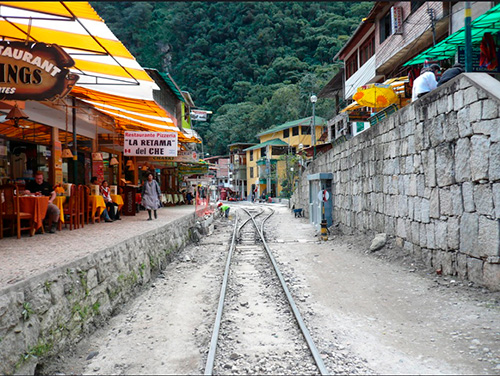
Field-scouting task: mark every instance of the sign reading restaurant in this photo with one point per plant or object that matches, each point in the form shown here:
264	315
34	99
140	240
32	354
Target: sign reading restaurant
34	71
150	144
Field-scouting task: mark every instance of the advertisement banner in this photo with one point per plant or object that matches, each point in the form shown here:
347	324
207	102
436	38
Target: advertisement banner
182	156
150	144
34	71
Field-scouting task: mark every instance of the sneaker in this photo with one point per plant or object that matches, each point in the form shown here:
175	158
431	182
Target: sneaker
108	220
150	219
53	229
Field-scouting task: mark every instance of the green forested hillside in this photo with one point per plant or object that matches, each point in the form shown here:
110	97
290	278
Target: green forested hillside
254	64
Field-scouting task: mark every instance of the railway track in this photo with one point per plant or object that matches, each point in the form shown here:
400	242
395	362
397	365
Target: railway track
258	327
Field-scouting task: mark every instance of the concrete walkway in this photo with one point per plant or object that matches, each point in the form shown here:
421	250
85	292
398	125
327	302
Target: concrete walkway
26	257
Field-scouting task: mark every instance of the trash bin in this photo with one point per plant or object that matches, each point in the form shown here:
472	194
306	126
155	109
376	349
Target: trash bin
129	193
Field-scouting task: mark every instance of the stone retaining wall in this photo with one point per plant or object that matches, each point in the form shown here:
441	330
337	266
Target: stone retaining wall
428	175
42	316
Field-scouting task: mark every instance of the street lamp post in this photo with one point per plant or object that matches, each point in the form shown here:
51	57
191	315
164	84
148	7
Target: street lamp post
313	99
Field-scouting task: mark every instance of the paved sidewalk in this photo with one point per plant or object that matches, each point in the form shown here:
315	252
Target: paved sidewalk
29	256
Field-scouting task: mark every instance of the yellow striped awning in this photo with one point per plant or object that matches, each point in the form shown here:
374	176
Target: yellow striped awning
100	57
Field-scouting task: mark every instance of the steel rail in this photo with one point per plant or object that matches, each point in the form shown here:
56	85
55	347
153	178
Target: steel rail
298	317
215	335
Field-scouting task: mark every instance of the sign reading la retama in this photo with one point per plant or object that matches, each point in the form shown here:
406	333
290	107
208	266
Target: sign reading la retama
34	71
150	144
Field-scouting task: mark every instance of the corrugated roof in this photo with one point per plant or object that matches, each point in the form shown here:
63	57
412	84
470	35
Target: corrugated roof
172	85
301	122
273	142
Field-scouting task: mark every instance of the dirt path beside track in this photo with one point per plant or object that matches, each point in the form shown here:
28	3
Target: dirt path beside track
393	315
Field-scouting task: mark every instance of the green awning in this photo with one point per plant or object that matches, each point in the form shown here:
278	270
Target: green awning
489	22
172	85
273	142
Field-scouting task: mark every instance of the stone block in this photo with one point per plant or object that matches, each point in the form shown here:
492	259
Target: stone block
494	158
421	185
496	199
479	161
469	232
390	225
429	159
422	237
412	187
401	228
491	276
475	111
425	210
435	210
445	201
419	137
475	270
468	197
409	169
489	109
461	265
449	107
470	96
417	209
456	200
462	158
450	127
458	100
427	257
431	242
453	234
441	235
445	166
445	261
415	232
464	124
411	208
495	130
483	199
435	130
488	237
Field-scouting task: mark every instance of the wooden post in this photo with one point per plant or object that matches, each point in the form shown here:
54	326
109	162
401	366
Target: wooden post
55	149
136	171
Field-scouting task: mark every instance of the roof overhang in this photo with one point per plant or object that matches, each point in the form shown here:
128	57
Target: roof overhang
447	48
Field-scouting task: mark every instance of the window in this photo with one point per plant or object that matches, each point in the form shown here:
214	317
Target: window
415	5
295	131
351	66
385	27
251	172
367	50
286	133
251	155
306	130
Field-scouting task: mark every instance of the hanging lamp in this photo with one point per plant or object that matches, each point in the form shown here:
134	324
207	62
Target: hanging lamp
113	161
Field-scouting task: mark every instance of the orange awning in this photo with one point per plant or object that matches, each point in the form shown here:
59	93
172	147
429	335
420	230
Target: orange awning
130	113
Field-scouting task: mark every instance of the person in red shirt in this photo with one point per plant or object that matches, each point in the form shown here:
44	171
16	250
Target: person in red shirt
111	206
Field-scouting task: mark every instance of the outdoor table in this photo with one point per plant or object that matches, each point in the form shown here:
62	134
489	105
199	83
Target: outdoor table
117	199
97	203
59	202
35	205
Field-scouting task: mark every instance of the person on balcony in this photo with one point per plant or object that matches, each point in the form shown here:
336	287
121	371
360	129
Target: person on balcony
426	82
450	73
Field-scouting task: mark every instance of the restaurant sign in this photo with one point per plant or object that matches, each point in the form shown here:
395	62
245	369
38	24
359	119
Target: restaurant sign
34	71
150	144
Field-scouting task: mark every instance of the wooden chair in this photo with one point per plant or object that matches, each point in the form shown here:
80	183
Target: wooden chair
81	205
71	209
11	211
91	217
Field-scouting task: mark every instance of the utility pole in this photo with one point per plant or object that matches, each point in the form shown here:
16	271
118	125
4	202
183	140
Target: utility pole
468	38
432	14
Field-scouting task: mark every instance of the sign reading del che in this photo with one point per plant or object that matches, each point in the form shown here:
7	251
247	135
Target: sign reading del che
150	144
34	71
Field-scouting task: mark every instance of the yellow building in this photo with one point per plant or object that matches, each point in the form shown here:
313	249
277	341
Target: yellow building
266	165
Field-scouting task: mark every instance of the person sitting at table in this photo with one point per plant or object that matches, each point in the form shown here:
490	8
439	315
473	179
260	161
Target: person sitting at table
112	207
45	189
105	213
